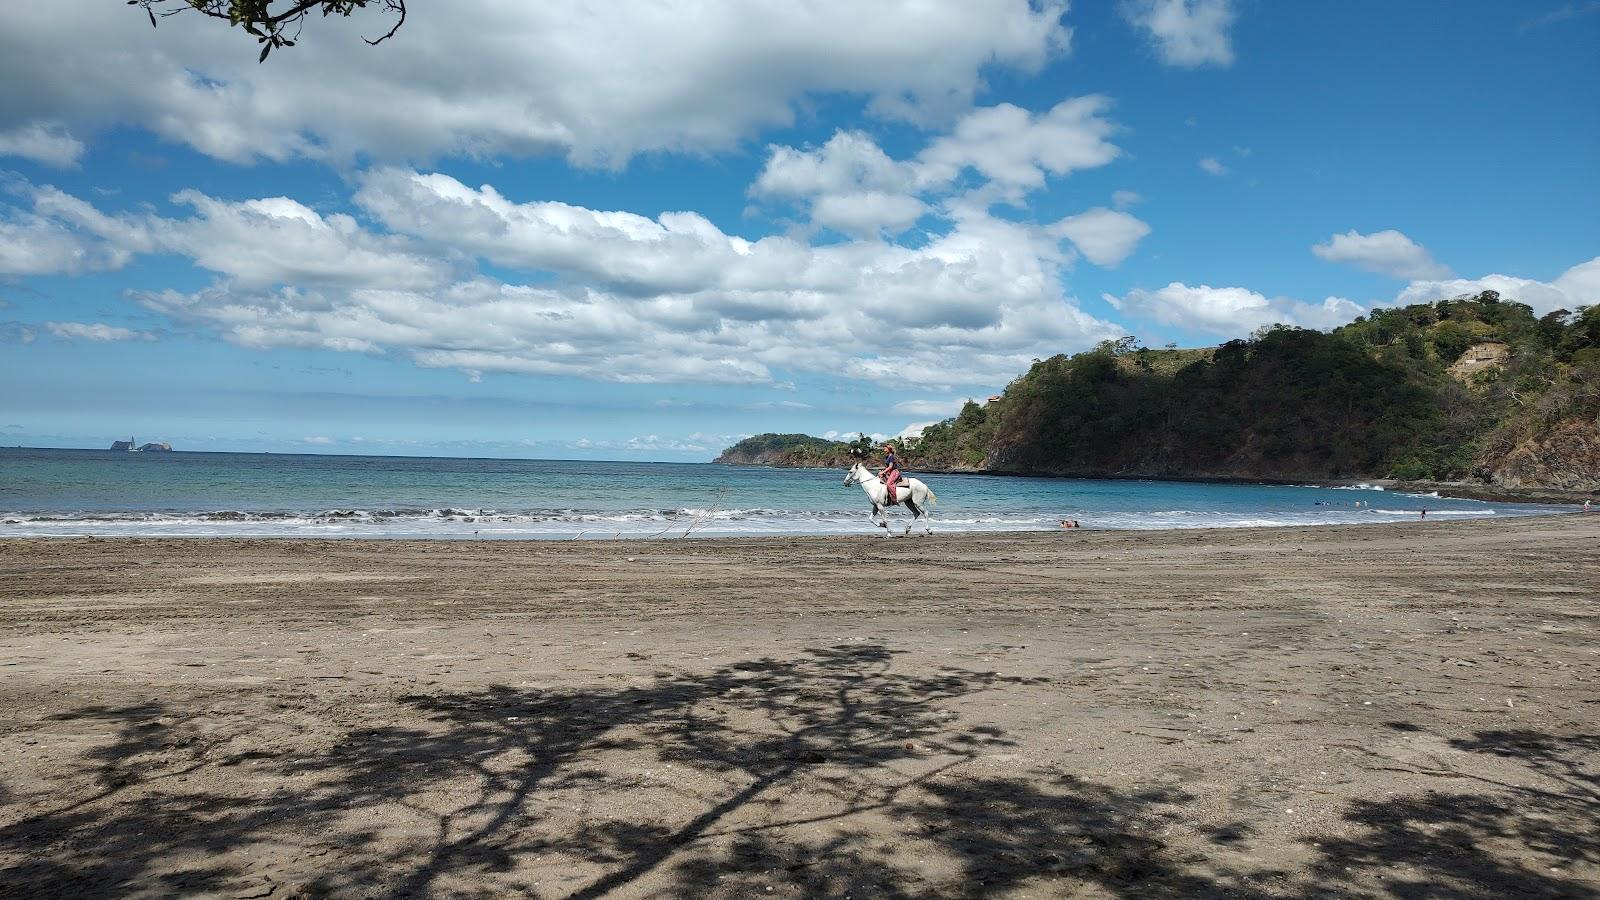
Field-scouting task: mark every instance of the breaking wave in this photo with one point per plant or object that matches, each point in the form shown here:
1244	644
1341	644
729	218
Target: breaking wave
469	522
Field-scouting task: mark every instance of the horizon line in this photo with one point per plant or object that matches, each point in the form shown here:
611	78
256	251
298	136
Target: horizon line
12	447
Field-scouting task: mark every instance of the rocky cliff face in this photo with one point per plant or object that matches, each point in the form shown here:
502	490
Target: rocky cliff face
1565	457
1479	358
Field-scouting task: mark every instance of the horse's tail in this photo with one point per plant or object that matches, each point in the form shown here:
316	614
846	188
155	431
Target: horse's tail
933	499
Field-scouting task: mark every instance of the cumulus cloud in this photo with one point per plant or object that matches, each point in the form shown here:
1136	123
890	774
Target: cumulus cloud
1125	199
1211	166
1577	286
850	161
851	185
34	245
1186	33
943	407
485	77
1384	252
47	143
1230	311
618	296
255	242
96	332
1105	237
875	436
1016	148
914	430
655	443
607	295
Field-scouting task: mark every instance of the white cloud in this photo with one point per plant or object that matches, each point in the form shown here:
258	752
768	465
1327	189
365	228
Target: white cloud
1105	237
1211	166
489	77
276	239
255	242
867	214
1230	311
31	245
1125	199
850	161
319	439
1384	252
1562	13
654	442
944	408
914	430
46	143
614	295
876	437
96	332
1186	33
1016	148
851	185
1577	286
610	295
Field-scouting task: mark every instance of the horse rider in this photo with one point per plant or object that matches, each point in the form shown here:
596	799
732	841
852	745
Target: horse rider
891	470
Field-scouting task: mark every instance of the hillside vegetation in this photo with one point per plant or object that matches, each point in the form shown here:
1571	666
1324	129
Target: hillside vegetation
1375	398
794	451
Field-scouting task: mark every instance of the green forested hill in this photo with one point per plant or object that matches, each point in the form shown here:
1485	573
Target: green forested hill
793	450
1389	395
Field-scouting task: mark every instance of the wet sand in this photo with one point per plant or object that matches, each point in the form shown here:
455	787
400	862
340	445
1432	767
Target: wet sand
1407	710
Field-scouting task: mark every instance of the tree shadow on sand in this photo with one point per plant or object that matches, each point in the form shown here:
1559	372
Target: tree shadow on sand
1443	845
826	774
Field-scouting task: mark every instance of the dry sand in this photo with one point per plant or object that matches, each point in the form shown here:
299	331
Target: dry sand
1405	710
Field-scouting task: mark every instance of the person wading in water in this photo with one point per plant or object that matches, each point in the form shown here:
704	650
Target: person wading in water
891	470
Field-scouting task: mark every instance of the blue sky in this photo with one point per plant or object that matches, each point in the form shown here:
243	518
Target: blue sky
545	232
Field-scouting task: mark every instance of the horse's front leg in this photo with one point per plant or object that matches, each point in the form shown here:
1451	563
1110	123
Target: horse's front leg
877	516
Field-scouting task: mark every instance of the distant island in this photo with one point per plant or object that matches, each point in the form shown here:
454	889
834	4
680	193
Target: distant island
152	447
1473	390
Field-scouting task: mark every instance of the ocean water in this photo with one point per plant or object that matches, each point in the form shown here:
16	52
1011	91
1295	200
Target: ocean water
98	492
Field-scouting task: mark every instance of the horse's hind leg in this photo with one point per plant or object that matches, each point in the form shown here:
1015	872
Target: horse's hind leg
916	513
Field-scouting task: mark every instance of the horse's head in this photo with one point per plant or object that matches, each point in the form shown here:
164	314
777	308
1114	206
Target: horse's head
853	476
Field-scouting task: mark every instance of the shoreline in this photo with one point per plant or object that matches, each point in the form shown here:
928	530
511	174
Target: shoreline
788	537
1445	489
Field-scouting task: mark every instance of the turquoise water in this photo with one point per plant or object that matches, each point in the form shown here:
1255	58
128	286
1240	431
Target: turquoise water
73	492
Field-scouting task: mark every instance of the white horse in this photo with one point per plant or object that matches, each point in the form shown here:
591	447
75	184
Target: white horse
917	497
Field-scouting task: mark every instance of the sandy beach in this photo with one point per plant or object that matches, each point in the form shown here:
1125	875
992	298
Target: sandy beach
1407	710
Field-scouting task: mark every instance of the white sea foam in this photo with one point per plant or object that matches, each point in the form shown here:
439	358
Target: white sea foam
1441	513
699	521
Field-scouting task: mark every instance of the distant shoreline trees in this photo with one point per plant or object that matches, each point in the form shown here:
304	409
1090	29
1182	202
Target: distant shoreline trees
1380	397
